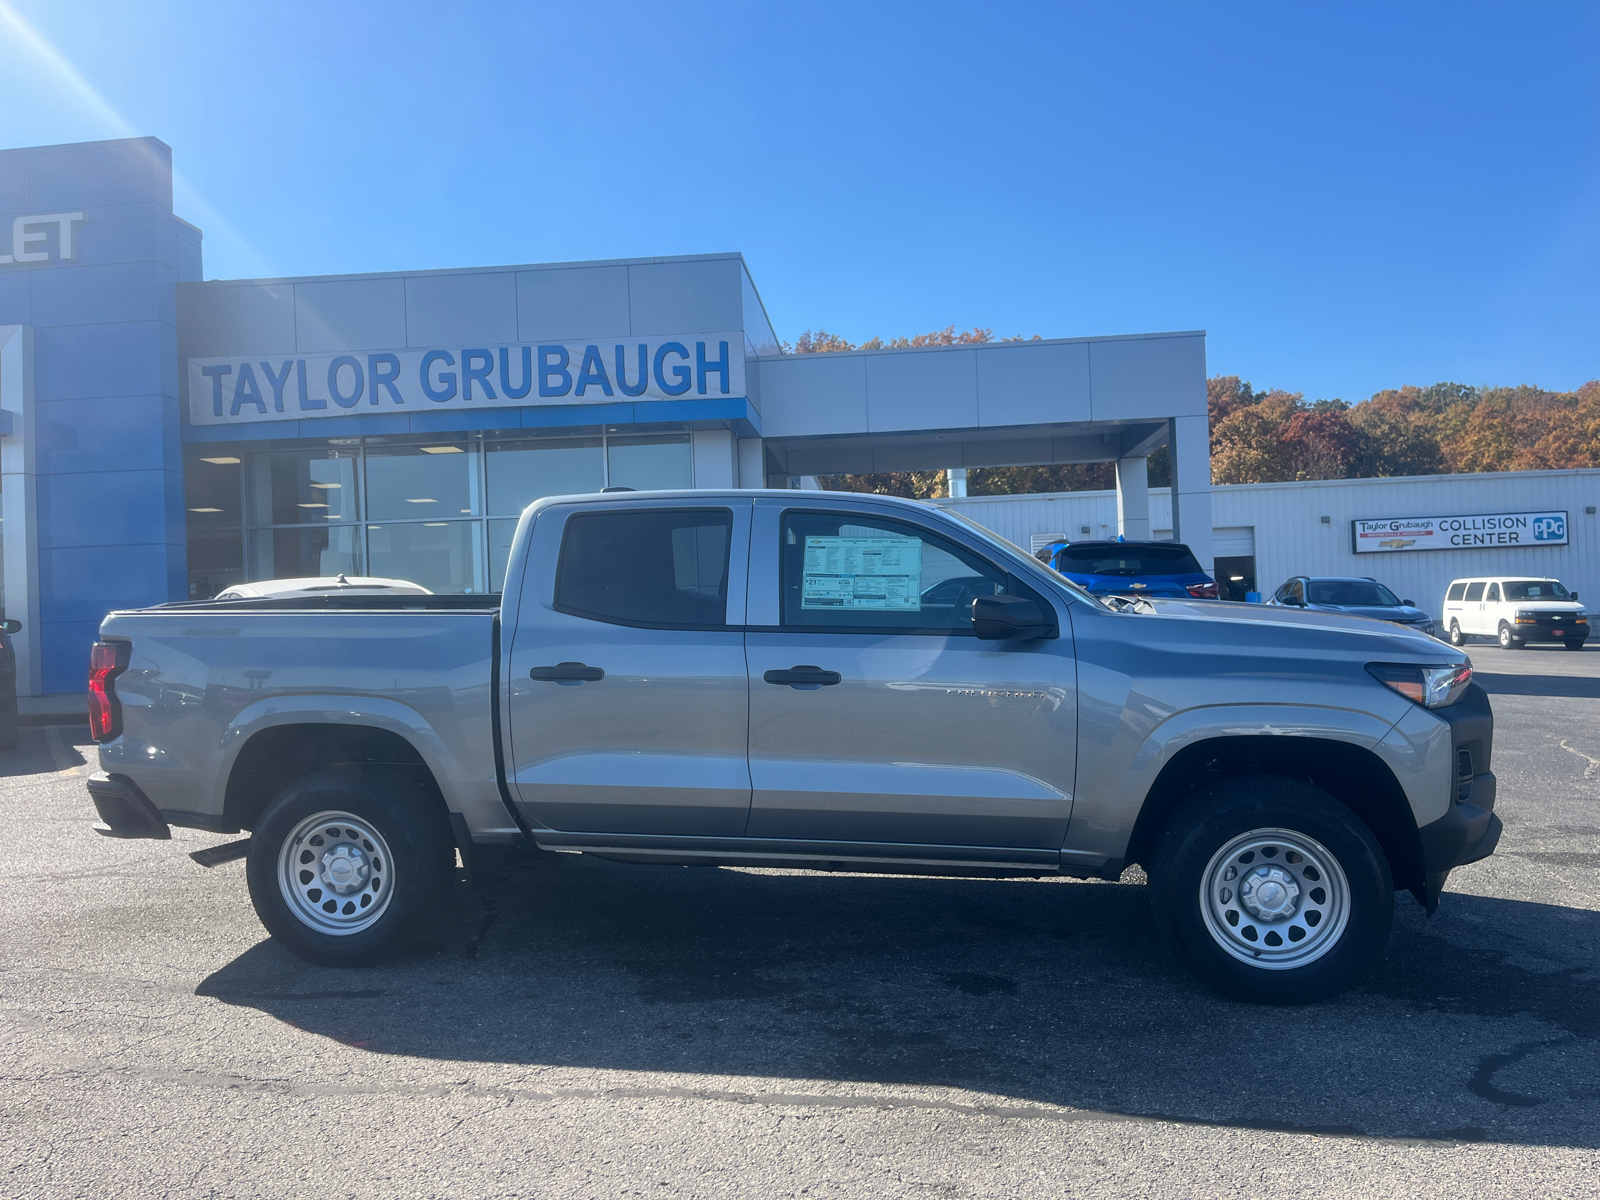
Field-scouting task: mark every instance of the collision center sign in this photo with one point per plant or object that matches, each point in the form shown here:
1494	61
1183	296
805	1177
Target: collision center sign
1459	533
236	391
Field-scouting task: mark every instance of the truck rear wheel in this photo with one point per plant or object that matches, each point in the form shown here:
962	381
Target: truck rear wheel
347	866
1272	890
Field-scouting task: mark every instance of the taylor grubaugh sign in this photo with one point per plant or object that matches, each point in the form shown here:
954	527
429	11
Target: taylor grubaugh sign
1458	533
235	391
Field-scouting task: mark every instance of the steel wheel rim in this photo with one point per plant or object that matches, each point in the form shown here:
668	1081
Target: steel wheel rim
1275	899
335	873
1505	637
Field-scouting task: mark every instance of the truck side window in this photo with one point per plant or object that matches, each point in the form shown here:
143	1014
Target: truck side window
1457	590
1494	594
1474	592
664	568
854	572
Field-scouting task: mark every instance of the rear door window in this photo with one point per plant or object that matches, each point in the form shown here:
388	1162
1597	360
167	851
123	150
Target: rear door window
660	568
1474	592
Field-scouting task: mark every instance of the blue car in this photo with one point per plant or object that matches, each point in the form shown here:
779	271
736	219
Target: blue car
1124	568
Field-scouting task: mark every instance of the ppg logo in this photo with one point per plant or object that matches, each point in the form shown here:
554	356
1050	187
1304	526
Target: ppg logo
1550	529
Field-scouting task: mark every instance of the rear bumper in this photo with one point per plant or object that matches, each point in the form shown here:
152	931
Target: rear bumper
126	812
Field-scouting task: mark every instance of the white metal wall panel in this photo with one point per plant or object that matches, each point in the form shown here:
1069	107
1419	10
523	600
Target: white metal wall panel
1288	537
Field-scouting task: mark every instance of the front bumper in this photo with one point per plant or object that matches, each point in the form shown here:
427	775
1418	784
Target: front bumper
1469	830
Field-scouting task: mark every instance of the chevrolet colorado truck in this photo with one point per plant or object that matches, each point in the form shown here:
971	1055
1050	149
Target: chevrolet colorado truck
814	680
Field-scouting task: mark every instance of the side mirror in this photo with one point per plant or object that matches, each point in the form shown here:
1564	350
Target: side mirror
1574	595
1002	618
11	625
1409	603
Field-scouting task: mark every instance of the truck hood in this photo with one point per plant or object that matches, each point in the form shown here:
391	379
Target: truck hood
1320	630
1377	612
1547	606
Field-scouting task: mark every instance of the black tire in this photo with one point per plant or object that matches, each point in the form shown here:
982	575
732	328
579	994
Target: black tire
1265	807
1578	645
409	887
1457	638
1507	639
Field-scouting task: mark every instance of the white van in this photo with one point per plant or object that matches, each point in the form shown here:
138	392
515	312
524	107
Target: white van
1514	610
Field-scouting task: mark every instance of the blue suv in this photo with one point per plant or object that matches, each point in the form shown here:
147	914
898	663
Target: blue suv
1124	568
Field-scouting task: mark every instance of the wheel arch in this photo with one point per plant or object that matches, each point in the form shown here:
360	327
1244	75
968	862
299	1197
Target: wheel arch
277	755
1352	774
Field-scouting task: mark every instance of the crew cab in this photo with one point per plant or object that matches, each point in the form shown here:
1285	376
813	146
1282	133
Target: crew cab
817	680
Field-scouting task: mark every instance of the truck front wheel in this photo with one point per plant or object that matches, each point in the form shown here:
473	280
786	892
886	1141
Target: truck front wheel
1272	890
347	866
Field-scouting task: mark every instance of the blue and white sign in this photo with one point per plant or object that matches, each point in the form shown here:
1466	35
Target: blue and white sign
1459	533
236	391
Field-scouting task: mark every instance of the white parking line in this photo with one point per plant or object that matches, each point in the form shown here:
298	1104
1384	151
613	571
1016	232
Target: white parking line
65	757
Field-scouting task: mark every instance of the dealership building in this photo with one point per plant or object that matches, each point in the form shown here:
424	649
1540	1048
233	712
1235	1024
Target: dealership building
163	436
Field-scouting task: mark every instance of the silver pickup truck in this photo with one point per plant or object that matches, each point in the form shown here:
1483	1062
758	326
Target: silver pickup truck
805	679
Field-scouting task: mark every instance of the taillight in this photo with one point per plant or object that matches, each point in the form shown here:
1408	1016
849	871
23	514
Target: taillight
107	660
1203	591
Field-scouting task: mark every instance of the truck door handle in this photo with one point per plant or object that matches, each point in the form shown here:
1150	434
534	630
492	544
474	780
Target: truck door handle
803	677
567	672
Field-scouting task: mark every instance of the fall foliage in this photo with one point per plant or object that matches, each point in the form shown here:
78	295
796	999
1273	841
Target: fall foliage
1274	436
1260	437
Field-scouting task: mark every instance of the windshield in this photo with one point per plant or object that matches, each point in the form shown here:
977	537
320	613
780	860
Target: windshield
1356	593
1127	561
1536	589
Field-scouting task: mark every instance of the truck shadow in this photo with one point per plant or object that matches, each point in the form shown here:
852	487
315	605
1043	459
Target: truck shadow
1044	992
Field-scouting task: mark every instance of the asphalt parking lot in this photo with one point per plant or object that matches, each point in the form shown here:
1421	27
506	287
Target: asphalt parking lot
594	1029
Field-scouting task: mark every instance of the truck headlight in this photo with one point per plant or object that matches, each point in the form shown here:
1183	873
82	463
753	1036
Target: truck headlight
1527	618
1431	687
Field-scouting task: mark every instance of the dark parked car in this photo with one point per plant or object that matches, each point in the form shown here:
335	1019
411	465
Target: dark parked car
1124	568
1354	597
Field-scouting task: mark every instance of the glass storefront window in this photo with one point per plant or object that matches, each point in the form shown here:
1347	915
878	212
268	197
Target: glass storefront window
211	493
521	472
648	463
216	561
408	483
501	534
302	487
442	556
304	553
413	511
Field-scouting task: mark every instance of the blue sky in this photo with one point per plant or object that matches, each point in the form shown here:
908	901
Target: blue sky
1345	197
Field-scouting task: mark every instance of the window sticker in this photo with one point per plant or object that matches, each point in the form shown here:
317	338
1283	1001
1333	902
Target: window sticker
863	572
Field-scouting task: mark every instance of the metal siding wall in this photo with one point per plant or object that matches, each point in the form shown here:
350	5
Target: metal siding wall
1290	538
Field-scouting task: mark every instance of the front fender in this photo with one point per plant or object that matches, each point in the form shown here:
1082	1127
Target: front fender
1114	781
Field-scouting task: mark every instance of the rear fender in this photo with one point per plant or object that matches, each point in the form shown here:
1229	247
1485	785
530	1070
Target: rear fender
462	792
